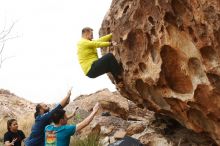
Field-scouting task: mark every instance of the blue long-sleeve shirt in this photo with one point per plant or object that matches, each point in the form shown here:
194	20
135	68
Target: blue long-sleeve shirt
36	137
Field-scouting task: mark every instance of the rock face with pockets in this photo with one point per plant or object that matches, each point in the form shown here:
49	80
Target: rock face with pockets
170	54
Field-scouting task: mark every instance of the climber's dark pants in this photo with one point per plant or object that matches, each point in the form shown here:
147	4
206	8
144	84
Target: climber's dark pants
105	64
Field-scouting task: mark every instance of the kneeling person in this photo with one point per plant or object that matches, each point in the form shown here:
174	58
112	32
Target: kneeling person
59	134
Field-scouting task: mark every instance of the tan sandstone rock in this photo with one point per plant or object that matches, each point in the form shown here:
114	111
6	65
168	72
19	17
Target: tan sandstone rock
140	123
169	51
120	134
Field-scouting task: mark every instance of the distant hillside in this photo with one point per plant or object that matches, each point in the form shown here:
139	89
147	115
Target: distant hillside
12	106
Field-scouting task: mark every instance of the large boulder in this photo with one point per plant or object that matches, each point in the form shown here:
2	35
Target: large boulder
142	124
169	51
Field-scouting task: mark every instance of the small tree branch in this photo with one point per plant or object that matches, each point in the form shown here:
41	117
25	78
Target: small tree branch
4	36
2	48
10	38
3	60
3	28
6	58
7	32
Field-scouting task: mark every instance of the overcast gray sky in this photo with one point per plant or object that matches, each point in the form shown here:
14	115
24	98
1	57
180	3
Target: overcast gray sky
45	64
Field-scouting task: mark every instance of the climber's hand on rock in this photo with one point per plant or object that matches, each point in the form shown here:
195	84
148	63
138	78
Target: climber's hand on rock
113	43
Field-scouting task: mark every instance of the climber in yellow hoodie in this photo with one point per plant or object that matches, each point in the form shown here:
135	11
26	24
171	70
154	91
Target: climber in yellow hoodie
91	65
